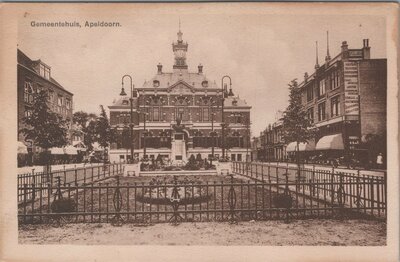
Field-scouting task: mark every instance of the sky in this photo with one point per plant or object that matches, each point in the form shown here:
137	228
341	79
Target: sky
261	52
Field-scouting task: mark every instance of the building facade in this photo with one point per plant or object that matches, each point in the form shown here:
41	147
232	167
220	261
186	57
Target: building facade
272	147
33	76
345	98
178	114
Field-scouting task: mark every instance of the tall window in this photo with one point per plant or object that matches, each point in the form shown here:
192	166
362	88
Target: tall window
321	111
236	118
321	89
310	114
60	103
28	92
123	118
47	73
335	80
27	112
335	106
156	114
41	70
68	103
206	114
50	96
44	71
147	113
310	95
181	113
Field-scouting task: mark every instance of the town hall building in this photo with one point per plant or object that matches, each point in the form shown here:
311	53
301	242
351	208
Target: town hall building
181	113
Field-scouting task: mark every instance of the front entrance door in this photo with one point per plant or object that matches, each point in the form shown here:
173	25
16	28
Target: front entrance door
179	148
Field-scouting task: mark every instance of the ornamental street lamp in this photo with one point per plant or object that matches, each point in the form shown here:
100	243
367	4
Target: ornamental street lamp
145	102
125	131
131	112
224	90
247	140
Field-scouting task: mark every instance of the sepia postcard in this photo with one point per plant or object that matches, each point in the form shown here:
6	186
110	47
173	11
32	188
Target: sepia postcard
199	132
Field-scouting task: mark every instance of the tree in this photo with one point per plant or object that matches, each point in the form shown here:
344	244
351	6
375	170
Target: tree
45	128
104	133
86	123
297	127
373	144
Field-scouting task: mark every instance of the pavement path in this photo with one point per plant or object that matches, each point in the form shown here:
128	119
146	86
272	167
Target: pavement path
28	169
372	172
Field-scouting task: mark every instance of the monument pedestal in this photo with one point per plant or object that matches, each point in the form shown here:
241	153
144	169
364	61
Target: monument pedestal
224	168
132	169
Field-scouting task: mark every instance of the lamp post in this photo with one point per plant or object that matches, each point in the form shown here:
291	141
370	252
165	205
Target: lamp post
131	112
212	131
144	124
247	140
224	90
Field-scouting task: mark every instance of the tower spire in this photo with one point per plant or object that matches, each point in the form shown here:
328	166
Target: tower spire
316	53
180	48
328	57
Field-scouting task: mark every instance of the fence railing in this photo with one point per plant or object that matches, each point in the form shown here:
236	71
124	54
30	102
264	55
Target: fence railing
365	193
224	199
78	176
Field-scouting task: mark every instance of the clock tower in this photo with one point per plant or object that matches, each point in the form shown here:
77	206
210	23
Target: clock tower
180	48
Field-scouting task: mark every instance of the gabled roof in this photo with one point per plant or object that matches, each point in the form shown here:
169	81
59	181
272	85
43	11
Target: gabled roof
194	80
123	102
25	61
235	101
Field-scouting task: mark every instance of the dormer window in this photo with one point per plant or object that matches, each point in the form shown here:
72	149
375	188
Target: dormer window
156	83
204	83
44	71
125	102
234	102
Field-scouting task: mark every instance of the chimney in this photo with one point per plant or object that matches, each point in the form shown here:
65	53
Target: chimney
366	49
345	50
200	67
159	67
345	47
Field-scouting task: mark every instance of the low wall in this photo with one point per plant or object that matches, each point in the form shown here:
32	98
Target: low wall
178	172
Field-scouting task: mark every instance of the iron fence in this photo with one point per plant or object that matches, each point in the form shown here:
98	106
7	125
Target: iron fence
366	193
78	176
182	200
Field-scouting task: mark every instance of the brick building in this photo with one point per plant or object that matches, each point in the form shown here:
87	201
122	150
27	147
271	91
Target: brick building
178	114
33	76
272	148
346	99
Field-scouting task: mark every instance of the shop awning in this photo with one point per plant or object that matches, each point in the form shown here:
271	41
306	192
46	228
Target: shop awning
57	151
22	148
292	147
70	150
330	142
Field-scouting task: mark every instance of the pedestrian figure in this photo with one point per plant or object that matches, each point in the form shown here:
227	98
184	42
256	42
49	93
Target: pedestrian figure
379	161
